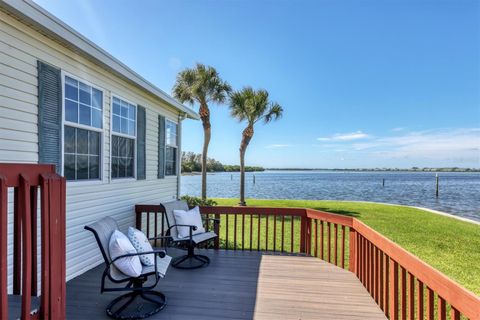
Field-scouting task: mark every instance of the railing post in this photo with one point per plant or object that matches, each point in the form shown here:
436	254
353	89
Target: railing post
138	220
353	251
302	233
24	210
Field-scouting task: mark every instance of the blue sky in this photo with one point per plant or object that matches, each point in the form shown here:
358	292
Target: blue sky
369	83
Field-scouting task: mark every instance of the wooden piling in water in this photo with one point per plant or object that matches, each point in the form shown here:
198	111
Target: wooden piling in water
383	182
436	185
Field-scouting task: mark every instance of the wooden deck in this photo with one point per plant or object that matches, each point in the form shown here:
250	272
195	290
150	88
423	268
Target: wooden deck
243	285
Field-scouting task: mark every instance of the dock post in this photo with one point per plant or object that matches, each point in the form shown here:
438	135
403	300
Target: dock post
436	185
253	179
383	182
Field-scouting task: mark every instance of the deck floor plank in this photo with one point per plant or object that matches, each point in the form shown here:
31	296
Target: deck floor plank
242	285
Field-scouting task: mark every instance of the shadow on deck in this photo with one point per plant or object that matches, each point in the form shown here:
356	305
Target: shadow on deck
243	285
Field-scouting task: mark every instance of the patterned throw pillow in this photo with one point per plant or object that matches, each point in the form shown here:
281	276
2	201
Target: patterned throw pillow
141	244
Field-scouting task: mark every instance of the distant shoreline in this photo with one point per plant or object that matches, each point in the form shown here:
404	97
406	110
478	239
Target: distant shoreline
381	169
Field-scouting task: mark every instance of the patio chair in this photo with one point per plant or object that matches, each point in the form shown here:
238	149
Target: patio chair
149	301
190	260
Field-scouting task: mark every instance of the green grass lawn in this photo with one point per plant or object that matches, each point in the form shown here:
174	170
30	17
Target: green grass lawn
450	245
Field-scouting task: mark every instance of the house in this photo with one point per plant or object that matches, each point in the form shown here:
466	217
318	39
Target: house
111	133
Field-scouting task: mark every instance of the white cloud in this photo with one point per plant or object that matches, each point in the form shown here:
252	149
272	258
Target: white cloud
455	145
274	146
345	136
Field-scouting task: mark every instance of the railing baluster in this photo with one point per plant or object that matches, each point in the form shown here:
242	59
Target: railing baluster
335	246
17	243
381	280
258	232
375	274
454	314
441	309
24	210
368	265
343	247
226	231
163	230
283	233
411	296
291	233
251	231
234	232
266	232
430	304
393	290
420	304
322	240
148	224
243	232
403	290
274	233
156	227
315	248
33	210
329	244
387	285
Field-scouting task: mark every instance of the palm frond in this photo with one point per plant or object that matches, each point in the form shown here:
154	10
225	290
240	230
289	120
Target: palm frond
253	105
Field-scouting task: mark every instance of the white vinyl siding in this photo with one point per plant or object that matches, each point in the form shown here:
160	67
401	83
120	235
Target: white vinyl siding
20	48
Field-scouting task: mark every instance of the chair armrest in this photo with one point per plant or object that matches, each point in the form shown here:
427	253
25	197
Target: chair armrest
192	227
161	254
160	237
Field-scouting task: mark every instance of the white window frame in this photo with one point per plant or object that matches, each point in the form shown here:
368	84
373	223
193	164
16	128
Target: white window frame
101	178
171	145
113	133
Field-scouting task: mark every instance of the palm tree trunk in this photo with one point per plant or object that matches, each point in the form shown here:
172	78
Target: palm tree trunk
205	116
246	137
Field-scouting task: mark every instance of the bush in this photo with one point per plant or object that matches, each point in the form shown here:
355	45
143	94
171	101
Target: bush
196	201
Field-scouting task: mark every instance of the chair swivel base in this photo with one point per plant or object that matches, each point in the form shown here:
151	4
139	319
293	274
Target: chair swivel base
124	307
190	261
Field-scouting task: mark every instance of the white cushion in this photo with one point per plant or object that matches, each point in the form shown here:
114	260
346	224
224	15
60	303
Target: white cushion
140	242
191	217
120	245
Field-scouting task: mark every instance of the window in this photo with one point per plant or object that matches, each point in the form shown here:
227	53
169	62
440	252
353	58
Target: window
82	131
171	148
124	116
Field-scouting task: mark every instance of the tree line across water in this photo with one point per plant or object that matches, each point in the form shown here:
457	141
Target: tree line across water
192	162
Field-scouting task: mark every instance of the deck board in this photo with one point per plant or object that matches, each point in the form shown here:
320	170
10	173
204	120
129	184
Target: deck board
242	285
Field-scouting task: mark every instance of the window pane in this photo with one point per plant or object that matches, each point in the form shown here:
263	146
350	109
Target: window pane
69	166
131	128
130	148
123	126
85	95
131	112
129	167
94	167
82	167
97	98
122	147
71	111
71	82
124	111
122	168
71	92
116	124
169	169
82	141
96	118
116	108
115	146
114	167
94	143
69	140
85	115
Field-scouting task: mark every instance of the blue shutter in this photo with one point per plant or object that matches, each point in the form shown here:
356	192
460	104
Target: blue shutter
161	147
141	136
49	115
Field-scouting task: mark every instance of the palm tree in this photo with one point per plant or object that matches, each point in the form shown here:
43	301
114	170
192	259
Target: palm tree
201	84
251	106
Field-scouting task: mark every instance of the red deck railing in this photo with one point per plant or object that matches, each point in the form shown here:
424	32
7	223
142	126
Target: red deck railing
28	181
401	284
